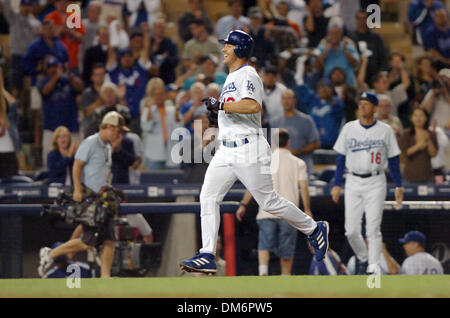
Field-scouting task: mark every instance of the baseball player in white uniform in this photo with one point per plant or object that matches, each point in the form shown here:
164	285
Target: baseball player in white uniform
244	154
366	147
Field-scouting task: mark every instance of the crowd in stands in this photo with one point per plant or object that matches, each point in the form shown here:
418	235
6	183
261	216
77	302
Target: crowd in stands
315	57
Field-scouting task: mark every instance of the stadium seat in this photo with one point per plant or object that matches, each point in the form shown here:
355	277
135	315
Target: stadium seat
327	174
162	176
318	183
324	157
16	179
41	175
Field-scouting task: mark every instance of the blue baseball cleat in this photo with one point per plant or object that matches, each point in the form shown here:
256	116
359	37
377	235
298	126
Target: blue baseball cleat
319	240
201	263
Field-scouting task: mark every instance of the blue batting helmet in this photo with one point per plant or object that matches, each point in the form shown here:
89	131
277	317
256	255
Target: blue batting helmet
243	42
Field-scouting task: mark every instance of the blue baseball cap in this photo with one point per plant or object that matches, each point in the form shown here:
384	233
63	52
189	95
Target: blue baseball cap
324	82
370	97
61	257
172	87
51	61
413	236
122	52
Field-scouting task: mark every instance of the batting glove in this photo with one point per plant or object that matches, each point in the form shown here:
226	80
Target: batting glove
213	118
212	104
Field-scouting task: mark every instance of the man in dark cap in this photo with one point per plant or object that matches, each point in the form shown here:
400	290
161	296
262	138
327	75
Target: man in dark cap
418	262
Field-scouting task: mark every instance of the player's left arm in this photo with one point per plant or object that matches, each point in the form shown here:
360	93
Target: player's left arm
244	106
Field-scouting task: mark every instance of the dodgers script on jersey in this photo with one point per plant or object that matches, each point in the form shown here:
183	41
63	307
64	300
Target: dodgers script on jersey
242	83
366	149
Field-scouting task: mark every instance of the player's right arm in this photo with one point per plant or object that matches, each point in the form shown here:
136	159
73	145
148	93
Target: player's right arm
251	96
244	106
81	157
76	173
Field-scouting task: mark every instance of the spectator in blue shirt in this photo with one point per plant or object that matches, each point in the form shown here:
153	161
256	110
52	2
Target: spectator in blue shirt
133	75
47	44
59	91
437	39
336	50
325	108
61	156
420	16
32	65
302	130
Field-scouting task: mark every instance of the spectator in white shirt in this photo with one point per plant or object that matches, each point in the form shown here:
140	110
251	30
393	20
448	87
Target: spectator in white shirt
275	235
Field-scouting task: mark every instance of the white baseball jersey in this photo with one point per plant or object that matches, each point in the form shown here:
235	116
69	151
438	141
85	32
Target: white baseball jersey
421	264
366	149
242	83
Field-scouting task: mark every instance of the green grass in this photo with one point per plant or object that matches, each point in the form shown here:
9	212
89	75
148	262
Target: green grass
227	287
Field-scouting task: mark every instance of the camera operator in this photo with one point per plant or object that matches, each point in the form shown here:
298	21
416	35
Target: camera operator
91	171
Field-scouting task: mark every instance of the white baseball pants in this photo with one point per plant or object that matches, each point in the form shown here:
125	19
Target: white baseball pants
250	163
365	195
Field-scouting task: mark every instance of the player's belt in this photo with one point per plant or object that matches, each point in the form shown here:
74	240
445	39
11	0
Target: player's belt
235	143
367	175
